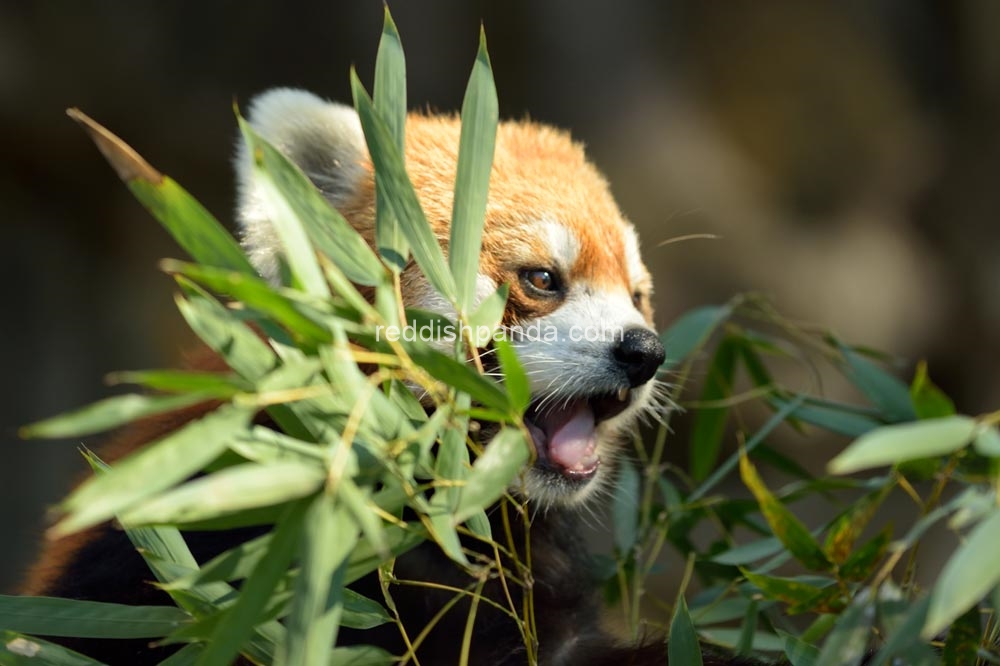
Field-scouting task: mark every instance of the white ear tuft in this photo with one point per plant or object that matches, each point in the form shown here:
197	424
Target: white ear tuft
323	138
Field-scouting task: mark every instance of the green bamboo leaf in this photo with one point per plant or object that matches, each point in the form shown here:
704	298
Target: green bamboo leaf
234	564
906	441
110	413
710	421
786	527
230	490
861	564
748	630
987	442
389	97
849	526
218	385
791	591
49	616
515	379
625	507
962	645
399	195
242	349
828	416
459	376
361	508
281	213
970	573
691	331
888	393
486	318
902	619
238	621
848	642
928	400
683	647
19	650
750	552
360	612
798	652
193	227
505	455
257	294
306	210
480	114
156	467
360	655
328	536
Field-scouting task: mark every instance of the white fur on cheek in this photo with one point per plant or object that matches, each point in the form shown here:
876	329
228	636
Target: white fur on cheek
561	241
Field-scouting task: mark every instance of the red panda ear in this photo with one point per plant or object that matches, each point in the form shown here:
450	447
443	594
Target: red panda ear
323	138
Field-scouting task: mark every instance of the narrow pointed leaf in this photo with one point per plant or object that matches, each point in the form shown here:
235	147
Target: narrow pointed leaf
480	114
156	467
19	650
709	420
503	458
193	227
887	392
110	413
228	491
786	527
327	538
690	332
238	621
894	444
968	576
49	616
683	647
389	98
486	318
399	195
326	229
515	379
929	402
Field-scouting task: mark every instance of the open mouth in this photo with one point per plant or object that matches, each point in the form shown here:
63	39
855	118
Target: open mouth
565	432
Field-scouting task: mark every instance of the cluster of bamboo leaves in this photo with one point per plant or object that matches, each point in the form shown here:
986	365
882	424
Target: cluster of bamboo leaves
830	592
354	448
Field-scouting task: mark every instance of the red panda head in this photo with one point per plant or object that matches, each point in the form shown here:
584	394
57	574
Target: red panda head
578	313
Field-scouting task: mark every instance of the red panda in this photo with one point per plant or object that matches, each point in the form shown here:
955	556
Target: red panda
555	235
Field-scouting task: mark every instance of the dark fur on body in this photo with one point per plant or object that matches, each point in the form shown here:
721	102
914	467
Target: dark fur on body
102	565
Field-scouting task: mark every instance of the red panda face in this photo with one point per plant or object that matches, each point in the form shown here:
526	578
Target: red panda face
578	312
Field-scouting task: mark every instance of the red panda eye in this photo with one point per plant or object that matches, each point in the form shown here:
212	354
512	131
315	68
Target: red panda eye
540	280
637	299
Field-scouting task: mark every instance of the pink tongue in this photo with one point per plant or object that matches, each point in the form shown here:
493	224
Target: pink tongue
572	444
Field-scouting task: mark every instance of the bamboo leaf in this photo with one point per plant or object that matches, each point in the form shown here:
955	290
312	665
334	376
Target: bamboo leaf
399	195
683	647
968	576
389	93
49	616
156	467
885	391
110	413
906	441
928	400
193	227
786	527
238	621
480	114
710	421
505	455
690	332
228	491
19	650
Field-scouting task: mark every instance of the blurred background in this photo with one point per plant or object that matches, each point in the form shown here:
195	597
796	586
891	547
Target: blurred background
846	152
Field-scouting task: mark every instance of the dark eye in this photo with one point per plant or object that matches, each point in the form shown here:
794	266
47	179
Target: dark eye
540	280
637	299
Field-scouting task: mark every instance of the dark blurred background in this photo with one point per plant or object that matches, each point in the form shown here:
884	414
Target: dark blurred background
847	152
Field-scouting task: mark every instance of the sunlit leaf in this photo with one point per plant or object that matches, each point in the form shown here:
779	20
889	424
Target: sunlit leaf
906	441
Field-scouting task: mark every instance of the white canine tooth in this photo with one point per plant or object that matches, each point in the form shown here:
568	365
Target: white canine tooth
623	394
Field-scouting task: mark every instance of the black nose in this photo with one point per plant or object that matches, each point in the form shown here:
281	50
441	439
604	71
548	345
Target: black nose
639	354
